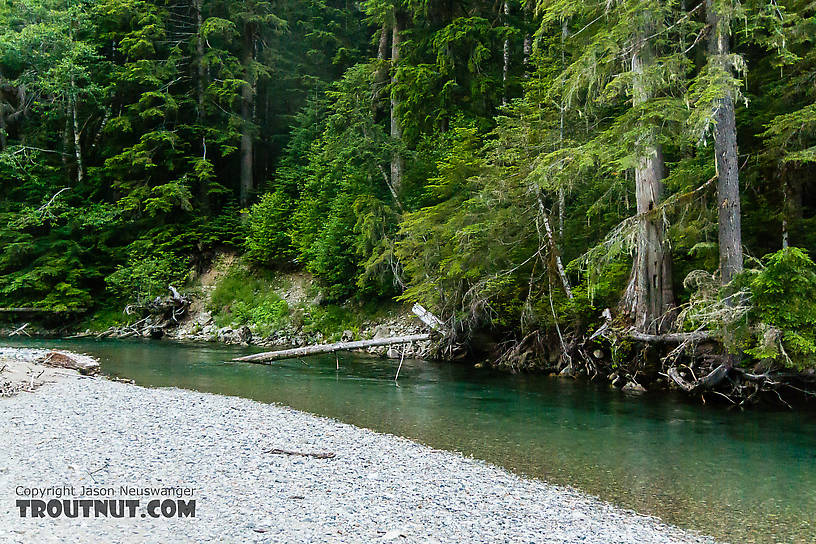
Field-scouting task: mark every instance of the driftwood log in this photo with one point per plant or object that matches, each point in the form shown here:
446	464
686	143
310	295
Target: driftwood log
709	381
82	363
20	330
428	318
319	455
670	338
269	356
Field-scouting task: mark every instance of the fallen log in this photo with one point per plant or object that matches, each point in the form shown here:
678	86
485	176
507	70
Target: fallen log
319	455
268	356
20	330
670	338
428	318
82	363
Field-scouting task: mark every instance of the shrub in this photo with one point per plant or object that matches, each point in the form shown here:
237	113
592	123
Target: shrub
783	312
248	299
269	242
147	276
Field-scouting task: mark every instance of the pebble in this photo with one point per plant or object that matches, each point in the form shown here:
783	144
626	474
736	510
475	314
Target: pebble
378	487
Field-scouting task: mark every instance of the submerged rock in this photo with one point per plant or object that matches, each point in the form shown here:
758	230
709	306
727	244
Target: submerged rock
634	387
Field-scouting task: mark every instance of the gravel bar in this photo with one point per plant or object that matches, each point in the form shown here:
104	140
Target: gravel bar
95	432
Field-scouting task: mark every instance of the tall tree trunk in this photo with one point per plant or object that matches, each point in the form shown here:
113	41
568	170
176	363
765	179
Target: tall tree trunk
2	126
77	140
2	115
505	53
527	46
397	164
785	209
247	107
562	200
725	151
381	76
201	80
792	192
200	68
66	142
649	297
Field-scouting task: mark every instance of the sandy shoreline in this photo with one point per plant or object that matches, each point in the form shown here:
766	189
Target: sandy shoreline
97	434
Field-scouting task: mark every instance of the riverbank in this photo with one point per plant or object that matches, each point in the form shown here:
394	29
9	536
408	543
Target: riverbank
26	369
377	487
230	303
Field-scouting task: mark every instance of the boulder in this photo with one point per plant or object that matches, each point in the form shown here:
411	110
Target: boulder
634	387
567	371
381	331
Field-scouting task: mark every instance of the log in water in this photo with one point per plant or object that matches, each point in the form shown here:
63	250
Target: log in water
269	356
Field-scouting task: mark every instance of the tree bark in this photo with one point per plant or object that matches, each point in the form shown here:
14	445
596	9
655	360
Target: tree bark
247	99
505	54
201	81
397	163
527	46
200	68
77	140
66	142
556	254
649	297
2	115
709	381
382	51
381	75
562	201
725	151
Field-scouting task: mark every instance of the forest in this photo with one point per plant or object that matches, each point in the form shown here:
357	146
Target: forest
564	178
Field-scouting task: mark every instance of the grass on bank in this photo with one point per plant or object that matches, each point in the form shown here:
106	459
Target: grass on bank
255	298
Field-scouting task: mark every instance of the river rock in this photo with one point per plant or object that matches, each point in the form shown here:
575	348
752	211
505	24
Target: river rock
567	371
634	387
172	437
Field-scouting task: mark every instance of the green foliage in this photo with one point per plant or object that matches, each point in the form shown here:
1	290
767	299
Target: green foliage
138	109
268	241
104	318
330	320
122	126
245	297
146	276
267	313
783	309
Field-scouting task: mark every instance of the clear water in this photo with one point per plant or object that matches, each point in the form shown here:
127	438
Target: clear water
741	477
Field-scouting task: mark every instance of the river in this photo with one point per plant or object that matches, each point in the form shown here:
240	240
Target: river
742	477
